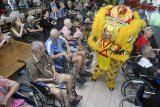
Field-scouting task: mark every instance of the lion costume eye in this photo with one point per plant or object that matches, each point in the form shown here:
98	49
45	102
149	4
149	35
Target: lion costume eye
130	39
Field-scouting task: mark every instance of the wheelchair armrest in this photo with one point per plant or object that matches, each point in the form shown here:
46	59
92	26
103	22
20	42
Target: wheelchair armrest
41	86
24	88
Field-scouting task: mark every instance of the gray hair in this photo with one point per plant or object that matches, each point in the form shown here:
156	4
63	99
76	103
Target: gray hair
30	19
66	21
36	46
147	28
53	31
146	49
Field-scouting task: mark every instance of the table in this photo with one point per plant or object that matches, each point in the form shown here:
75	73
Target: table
9	55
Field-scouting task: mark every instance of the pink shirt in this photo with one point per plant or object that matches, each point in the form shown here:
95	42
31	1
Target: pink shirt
78	33
66	31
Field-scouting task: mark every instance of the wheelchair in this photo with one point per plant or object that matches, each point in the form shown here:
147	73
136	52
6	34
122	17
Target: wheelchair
38	94
140	99
131	86
30	94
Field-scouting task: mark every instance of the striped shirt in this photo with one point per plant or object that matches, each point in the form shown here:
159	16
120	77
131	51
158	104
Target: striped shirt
55	47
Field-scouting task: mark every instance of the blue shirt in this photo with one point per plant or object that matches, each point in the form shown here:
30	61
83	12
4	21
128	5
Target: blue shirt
52	4
62	12
55	47
54	16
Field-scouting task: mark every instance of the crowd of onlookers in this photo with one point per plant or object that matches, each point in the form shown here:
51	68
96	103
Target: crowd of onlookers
60	27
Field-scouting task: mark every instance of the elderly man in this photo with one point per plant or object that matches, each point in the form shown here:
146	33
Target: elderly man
54	46
41	69
7	89
148	67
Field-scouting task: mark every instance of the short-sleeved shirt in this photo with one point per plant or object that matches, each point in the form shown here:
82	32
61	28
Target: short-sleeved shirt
53	47
42	69
37	69
149	69
62	12
66	31
78	33
5	85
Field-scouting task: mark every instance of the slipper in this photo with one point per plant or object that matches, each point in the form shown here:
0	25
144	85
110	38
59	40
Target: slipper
81	80
75	101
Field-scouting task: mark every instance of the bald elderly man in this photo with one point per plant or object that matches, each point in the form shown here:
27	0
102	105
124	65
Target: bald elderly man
148	67
54	46
41	69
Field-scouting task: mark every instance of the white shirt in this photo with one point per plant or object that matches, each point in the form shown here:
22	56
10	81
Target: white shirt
144	62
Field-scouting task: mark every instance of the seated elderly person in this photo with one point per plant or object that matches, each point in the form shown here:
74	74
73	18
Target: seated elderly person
7	89
54	46
66	30
78	33
41	69
4	39
149	69
54	15
62	10
62	13
144	39
33	29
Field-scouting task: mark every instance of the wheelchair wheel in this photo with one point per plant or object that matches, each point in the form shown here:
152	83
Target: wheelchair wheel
31	92
124	101
131	86
128	73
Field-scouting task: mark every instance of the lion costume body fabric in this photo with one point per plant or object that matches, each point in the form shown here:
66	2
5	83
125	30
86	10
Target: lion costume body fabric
114	31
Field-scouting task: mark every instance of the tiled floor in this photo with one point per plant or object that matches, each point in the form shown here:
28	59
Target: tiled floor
96	94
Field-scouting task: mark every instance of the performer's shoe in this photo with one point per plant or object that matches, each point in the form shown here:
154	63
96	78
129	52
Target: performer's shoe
111	85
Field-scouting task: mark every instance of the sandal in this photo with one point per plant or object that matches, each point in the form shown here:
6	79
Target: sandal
81	80
76	100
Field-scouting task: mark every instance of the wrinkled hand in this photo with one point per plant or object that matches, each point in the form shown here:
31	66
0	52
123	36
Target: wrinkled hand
70	54
54	79
67	56
40	29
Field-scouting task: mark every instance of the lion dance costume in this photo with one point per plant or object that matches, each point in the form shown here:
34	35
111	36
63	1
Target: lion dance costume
114	31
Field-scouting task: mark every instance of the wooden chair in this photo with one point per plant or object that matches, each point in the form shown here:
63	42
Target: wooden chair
31	13
7	24
38	14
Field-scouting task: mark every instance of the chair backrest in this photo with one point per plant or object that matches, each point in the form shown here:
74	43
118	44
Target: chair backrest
1	22
31	13
38	12
139	96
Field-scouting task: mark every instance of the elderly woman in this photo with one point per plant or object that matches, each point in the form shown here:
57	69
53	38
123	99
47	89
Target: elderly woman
54	14
143	40
17	30
71	12
33	29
